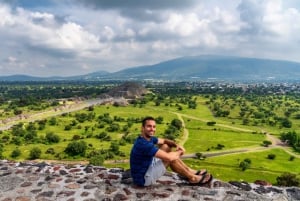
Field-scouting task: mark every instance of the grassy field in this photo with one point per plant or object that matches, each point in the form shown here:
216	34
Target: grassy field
226	167
228	134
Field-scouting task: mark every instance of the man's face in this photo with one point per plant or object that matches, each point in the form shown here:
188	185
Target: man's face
149	129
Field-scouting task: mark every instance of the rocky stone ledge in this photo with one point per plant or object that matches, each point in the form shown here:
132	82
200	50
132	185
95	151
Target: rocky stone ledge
28	181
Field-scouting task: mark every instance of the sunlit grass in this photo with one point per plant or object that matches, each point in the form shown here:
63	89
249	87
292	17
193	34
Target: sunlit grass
226	167
228	132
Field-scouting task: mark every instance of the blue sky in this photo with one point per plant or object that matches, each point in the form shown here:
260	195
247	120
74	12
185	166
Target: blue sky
75	37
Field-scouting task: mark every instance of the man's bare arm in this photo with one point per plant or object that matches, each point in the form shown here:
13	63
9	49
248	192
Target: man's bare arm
171	144
168	156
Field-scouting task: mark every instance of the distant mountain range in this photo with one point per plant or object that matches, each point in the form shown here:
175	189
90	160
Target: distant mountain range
205	67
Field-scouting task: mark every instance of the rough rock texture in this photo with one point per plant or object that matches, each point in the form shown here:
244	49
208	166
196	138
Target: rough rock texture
28	181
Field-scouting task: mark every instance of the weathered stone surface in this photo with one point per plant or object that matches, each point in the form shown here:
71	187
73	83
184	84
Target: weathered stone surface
8	183
42	182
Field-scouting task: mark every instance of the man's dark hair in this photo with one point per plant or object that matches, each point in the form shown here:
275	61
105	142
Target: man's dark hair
147	119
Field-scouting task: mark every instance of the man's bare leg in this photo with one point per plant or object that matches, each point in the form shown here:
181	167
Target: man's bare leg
166	148
190	169
178	167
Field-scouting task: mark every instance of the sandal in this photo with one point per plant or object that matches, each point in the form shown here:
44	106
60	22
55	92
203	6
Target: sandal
202	180
201	172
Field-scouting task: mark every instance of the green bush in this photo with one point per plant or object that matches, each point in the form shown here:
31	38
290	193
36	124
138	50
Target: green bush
76	148
50	151
52	138
211	123
292	158
245	164
288	179
35	153
271	156
15	153
266	143
97	160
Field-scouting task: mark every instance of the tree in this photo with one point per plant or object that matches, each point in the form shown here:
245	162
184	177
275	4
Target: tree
52	138
35	153
171	132
266	143
30	136
76	148
159	120
286	123
114	147
15	153
17	130
192	104
211	123
245	164
288	179
97	160
199	156
52	121
68	127
113	127
176	123
1	150
17	111
271	156
50	151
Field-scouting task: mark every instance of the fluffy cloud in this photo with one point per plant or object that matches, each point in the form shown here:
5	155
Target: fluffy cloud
76	37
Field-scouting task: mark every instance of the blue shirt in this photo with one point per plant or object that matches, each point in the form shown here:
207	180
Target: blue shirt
141	157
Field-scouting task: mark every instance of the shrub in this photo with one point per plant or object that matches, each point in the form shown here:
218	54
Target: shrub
97	160
292	158
114	147
35	153
15	153
247	160
220	146
245	164
211	123
52	138
76	148
271	156
68	127
266	143
288	179
76	137
50	151
199	156
176	123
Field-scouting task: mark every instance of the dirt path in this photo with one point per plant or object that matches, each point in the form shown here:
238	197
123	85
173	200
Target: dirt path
276	142
49	113
185	136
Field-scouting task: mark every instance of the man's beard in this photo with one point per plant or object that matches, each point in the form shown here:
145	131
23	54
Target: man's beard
149	135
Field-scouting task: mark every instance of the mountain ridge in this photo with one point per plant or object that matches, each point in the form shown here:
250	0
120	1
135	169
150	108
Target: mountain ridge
203	67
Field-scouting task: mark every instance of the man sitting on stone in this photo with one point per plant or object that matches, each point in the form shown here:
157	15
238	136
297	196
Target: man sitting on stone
150	156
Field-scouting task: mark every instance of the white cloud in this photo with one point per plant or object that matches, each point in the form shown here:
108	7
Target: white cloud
72	38
12	60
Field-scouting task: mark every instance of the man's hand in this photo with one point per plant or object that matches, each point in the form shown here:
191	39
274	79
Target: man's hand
181	149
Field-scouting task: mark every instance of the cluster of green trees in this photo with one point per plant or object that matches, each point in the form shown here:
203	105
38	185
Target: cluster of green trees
257	110
101	127
259	106
291	138
174	129
285	179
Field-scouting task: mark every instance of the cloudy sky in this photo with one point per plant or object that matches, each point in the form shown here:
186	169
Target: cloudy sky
75	37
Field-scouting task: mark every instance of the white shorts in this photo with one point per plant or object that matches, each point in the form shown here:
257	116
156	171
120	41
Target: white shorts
155	171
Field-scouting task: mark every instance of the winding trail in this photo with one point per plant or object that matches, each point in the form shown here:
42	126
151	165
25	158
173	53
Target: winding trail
6	124
276	142
185	135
